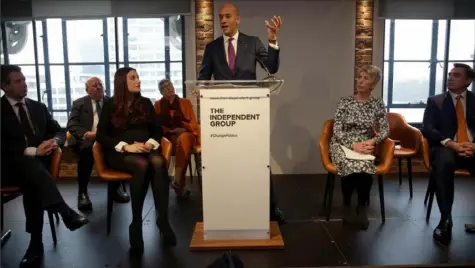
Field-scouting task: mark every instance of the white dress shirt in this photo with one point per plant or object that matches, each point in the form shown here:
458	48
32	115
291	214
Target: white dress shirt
234	42
464	104
96	115
30	151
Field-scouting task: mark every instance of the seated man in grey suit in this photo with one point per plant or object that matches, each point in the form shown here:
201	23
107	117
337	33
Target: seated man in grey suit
233	56
82	125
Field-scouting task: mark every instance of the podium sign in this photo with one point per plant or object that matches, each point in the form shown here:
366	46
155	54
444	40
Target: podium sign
235	142
235	126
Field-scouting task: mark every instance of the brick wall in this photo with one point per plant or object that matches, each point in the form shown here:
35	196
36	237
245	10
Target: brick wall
363	33
204	32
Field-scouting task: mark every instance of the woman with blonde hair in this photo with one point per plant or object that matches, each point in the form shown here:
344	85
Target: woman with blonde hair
360	123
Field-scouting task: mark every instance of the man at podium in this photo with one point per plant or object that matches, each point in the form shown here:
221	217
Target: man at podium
220	61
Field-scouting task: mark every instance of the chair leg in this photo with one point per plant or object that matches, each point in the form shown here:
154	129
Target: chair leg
381	197
431	192
56	215
409	173
330	194
53	229
191	171
5	237
399	168
7	234
325	195
429	186
2	217
198	169
111	187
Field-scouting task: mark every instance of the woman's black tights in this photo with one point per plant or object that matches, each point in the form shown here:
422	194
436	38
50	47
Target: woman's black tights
147	168
361	182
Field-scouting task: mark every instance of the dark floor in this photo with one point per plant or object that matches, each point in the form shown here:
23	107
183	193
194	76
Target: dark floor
310	241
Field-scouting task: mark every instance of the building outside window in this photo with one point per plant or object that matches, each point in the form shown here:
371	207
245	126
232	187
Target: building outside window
418	54
69	52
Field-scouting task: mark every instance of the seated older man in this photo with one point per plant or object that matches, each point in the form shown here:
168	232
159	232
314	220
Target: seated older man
180	127
82	125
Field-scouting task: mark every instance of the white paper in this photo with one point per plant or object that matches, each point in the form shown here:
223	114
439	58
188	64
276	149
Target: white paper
350	154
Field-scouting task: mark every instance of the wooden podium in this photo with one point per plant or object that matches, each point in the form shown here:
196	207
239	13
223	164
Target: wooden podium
198	243
235	156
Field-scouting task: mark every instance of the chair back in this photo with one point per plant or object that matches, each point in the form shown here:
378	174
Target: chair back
426	153
325	137
399	130
55	164
397	125
68	135
98	154
167	150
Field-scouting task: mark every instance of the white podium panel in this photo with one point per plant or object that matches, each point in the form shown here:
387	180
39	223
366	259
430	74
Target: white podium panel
235	135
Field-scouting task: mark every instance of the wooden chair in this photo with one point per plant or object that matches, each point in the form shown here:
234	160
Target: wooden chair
384	151
197	156
410	140
9	193
112	177
430	186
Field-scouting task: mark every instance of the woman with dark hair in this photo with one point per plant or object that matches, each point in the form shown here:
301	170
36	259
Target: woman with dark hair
129	131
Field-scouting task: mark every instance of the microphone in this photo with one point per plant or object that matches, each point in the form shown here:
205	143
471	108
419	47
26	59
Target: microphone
269	75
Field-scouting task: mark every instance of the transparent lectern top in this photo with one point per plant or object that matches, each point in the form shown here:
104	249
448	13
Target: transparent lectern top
194	86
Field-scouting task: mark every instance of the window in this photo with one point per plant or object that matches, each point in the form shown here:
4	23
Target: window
67	55
418	54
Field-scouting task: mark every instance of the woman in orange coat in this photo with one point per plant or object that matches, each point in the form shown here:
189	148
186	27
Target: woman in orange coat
179	126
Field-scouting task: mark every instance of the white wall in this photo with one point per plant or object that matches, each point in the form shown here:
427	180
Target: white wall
317	63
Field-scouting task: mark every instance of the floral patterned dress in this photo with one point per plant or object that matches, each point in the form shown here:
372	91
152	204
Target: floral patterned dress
357	122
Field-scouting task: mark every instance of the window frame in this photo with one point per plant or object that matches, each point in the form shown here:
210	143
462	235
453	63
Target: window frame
106	62
433	61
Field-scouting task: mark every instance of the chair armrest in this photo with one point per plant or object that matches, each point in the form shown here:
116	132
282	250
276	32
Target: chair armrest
98	154
55	164
167	150
385	151
324	142
426	153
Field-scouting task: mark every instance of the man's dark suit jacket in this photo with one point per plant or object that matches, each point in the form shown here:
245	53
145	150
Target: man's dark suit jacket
13	142
80	121
440	117
249	48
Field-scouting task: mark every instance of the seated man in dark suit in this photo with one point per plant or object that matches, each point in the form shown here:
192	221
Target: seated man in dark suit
82	125
234	55
449	125
29	135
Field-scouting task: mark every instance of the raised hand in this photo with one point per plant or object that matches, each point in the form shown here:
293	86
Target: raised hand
273	27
